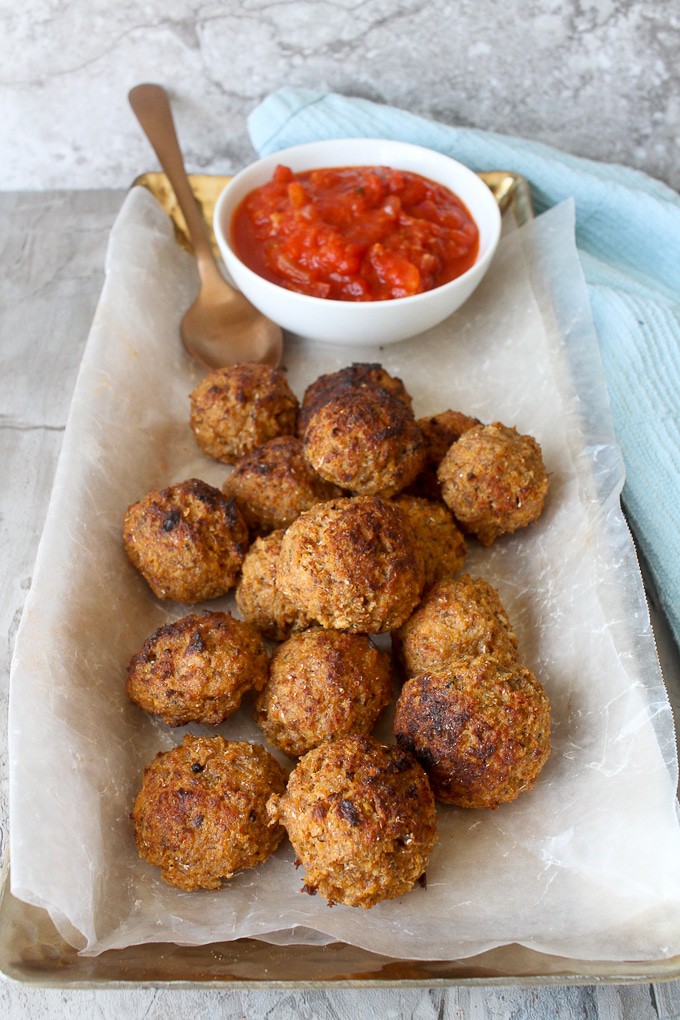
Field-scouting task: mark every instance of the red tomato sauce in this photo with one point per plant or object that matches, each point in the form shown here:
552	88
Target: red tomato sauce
355	233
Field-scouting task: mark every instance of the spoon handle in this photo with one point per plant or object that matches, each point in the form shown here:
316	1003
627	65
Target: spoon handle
151	106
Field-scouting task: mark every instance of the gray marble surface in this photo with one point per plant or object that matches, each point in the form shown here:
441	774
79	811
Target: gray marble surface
52	249
600	78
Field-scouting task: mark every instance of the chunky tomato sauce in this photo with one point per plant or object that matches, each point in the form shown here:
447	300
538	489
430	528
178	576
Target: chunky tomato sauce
355	233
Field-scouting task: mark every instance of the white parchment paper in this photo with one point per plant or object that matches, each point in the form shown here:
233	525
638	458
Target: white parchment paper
587	865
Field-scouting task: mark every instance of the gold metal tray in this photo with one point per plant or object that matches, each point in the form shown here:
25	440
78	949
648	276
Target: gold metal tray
33	952
510	190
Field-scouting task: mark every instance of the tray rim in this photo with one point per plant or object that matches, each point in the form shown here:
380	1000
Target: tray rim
62	966
511	191
56	964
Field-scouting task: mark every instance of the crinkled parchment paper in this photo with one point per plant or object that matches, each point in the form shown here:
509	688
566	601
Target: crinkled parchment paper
587	865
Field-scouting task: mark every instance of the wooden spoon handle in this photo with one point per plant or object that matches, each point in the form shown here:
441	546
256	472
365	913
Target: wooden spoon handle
151	106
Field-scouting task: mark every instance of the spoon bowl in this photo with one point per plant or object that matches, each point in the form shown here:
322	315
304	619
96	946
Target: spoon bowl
221	327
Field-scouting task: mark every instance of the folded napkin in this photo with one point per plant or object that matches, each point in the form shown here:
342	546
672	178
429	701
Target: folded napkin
628	238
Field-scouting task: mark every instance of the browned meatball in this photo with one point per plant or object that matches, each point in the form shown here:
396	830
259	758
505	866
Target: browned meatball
237	408
365	441
197	669
273	484
187	541
481	730
259	599
358	376
440	540
494	481
201	816
361	818
323	684
352	564
458	618
441	430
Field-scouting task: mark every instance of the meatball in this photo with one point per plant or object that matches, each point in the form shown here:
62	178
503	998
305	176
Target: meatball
458	618
481	730
361	818
197	669
273	484
440	540
187	541
441	430
358	376
365	441
323	684
201	815
352	564
259	599
494	481
237	408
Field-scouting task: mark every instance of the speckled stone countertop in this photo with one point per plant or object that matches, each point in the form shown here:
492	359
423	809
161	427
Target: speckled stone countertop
596	77
599	78
48	298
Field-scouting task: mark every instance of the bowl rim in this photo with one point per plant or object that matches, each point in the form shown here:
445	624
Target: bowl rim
272	159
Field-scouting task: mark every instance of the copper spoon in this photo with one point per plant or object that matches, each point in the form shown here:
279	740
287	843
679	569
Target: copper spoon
221	327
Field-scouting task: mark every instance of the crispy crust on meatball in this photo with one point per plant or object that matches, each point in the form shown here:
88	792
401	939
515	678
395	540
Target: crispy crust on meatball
481	730
273	484
458	618
197	669
494	481
237	408
259	599
365	441
188	541
361	818
201	815
437	534
323	684
352	564
357	376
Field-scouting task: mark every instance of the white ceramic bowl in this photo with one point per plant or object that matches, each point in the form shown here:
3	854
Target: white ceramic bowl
364	322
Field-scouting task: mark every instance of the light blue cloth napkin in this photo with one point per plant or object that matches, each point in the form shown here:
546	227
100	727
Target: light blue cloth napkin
628	238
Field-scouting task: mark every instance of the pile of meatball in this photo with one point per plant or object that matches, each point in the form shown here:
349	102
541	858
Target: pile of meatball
341	517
